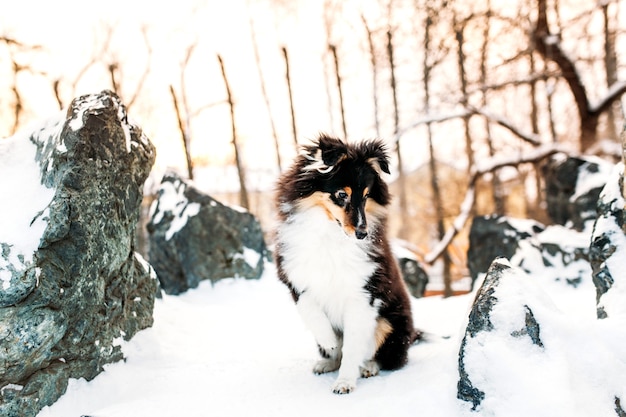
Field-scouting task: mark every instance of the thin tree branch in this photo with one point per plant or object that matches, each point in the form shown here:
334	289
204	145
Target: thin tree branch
488	166
184	133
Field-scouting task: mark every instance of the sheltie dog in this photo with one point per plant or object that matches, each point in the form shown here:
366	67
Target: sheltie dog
332	253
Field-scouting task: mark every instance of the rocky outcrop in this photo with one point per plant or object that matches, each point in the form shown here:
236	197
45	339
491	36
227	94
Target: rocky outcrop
193	237
496	236
608	249
497	301
519	345
573	185
65	308
555	252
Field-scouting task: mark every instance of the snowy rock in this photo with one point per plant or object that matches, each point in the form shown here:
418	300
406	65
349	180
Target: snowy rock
494	236
554	252
573	185
71	285
194	237
412	271
518	347
498	319
608	249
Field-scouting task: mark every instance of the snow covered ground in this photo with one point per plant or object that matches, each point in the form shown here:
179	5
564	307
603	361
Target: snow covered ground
238	348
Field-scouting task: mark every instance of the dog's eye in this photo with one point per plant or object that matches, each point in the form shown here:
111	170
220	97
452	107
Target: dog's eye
341	195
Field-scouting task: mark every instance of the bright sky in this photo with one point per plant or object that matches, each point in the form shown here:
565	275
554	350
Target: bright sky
69	29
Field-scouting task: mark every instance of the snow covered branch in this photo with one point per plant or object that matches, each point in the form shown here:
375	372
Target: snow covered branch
529	137
489	165
615	91
435	118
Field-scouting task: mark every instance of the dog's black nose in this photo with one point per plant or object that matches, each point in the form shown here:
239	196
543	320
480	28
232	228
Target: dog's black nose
360	233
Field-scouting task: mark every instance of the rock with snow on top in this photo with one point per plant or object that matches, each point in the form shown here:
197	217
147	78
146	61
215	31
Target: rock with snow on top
573	185
496	236
71	285
608	249
555	252
517	348
412	271
193	237
499	319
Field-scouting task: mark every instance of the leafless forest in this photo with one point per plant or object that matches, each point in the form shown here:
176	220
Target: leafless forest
472	97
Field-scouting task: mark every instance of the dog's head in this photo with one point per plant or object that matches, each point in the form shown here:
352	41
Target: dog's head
343	179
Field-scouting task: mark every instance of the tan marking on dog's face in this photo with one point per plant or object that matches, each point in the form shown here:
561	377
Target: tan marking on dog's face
322	200
383	329
347	190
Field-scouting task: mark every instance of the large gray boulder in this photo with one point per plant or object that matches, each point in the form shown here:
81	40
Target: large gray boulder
194	237
608	249
71	284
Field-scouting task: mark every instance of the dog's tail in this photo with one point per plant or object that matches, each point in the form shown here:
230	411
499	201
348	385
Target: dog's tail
420	336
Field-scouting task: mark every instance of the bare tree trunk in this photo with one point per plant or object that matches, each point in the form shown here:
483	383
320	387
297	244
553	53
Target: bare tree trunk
534	122
402	200
623	140
372	51
112	68
18	106
266	100
291	107
243	191
184	133
498	198
549	47
57	93
460	39
610	64
434	177
333	51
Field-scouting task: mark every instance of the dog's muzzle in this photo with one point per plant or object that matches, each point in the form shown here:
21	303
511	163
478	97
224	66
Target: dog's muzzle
361	232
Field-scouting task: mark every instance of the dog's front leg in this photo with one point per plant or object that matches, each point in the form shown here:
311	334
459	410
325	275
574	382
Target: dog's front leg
358	344
317	322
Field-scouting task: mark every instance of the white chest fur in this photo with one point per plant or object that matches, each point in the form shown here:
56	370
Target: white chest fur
321	260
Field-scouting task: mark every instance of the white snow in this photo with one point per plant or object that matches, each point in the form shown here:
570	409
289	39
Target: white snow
172	199
23	205
574	373
588	180
251	257
238	347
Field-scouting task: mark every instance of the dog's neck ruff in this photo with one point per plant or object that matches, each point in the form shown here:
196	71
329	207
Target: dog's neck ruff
319	257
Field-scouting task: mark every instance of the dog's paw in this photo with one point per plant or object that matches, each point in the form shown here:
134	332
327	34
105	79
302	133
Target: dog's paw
330	352
326	365
344	386
369	368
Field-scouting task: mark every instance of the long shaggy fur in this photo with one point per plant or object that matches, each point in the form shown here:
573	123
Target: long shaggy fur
333	255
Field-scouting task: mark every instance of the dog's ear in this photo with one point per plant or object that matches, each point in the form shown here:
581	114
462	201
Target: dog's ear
325	153
376	155
333	150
